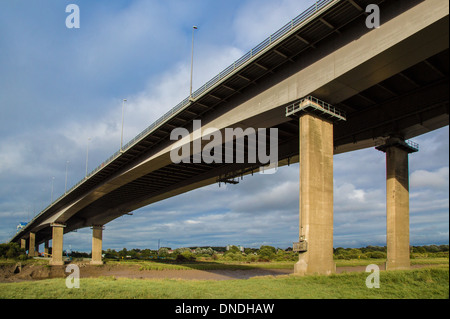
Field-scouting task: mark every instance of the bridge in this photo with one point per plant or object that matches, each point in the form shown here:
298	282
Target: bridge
329	84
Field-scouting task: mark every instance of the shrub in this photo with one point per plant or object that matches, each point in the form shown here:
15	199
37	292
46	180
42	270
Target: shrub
233	250
163	252
186	255
376	254
12	251
234	256
267	253
204	252
286	255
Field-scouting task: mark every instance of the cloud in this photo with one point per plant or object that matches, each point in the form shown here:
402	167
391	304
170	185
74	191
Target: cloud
435	179
257	19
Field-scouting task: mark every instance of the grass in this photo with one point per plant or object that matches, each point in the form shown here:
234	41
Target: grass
229	265
215	265
365	262
424	283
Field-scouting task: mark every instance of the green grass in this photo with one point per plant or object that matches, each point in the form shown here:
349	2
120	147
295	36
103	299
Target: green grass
214	265
424	283
430	261
365	262
229	265
234	265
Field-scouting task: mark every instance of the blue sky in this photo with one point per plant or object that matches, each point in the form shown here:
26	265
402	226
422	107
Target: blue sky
60	86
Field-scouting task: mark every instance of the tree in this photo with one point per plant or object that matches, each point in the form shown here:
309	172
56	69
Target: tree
186	255
443	247
163	252
123	253
146	253
204	251
12	251
233	249
267	252
419	249
111	253
432	248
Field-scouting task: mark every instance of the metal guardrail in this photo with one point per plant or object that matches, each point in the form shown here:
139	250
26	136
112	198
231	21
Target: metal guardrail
227	71
413	145
407	145
317	105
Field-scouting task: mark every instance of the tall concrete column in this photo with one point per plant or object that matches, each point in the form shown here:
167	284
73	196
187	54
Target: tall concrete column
23	243
31	245
397	202
316	195
97	238
57	244
46	248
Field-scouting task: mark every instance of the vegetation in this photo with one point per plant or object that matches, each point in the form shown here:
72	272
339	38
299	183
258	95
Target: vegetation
377	252
12	251
234	254
425	283
264	253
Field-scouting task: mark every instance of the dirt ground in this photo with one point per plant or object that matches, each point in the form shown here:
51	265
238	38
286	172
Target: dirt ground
18	272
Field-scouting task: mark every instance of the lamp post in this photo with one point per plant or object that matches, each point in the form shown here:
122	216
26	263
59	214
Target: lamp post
121	135
192	60
87	156
51	197
65	187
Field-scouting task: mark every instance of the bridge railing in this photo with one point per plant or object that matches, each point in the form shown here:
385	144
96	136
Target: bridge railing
318	5
250	54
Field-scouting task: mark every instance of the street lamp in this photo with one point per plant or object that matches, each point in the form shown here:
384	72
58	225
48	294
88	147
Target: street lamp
87	156
192	60
51	198
121	136
65	187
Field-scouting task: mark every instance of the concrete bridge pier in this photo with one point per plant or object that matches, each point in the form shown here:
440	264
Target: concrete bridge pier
397	202
97	238
32	245
57	244
316	195
46	248
36	250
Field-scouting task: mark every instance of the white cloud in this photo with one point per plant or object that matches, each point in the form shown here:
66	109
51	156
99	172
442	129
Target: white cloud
11	157
257	19
437	179
348	192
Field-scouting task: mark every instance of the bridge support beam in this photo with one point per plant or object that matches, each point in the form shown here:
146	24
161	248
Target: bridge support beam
23	243
397	202
32	245
36	250
57	244
46	248
316	196
97	238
